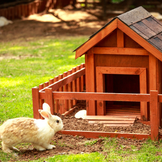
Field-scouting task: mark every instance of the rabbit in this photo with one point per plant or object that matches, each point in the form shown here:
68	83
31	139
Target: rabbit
4	21
27	130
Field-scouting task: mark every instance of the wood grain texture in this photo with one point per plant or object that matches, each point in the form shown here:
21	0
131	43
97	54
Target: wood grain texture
119	51
90	81
154	115
97	38
95	134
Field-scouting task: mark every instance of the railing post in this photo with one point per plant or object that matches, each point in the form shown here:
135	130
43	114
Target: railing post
49	99
154	116
36	103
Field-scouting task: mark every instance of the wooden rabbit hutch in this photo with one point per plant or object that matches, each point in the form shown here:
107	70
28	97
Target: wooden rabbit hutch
122	75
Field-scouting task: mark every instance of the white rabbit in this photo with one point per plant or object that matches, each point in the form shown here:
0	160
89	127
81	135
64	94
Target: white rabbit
4	21
27	130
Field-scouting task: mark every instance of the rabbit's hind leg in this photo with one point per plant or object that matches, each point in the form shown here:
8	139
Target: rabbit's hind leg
49	147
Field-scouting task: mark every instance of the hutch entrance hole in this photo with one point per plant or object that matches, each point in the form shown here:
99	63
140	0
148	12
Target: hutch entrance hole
120	83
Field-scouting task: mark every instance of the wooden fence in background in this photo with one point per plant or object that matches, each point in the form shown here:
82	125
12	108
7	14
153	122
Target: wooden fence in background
62	92
23	10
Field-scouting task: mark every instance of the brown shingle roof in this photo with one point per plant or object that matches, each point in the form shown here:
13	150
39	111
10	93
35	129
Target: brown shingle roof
141	21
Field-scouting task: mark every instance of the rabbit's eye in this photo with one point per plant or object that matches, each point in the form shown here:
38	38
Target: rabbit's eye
57	121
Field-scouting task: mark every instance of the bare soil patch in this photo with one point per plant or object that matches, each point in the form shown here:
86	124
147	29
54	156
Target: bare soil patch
55	23
67	144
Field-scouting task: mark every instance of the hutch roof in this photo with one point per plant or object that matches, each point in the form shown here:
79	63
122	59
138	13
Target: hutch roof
138	24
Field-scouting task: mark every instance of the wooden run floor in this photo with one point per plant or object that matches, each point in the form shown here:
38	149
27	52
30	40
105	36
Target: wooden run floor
117	116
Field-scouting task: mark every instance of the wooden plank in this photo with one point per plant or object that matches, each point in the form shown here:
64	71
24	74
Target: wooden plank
154	115
137	38
120	51
46	84
61	102
70	90
36	104
82	79
51	81
56	102
74	84
143	90
65	80
90	81
122	61
118	125
78	81
120	39
66	90
100	84
102	96
119	70
49	99
113	122
97	134
152	72
41	86
159	87
111	117
95	39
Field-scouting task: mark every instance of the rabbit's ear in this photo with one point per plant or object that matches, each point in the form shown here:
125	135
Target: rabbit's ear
46	107
44	114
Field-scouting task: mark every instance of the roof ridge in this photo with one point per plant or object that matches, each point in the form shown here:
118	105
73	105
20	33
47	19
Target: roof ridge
134	15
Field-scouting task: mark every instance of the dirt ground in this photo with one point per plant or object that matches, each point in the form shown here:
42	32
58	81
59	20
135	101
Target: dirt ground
54	24
67	144
67	23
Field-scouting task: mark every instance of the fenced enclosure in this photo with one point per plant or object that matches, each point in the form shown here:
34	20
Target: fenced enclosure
71	81
62	92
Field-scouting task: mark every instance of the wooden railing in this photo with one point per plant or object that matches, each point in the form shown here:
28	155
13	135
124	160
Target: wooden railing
71	81
62	92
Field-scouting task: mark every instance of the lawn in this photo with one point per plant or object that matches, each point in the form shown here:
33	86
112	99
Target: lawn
26	64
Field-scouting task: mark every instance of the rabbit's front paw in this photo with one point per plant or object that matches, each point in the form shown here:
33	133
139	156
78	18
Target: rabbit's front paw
40	148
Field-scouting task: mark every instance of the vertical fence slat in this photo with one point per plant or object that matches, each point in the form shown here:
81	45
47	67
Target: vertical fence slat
51	81
49	99
66	89
56	102
74	84
46	84
70	90
82	79
61	102
36	103
78	81
154	116
41	86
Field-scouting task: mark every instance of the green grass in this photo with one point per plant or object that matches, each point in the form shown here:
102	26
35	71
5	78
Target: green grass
28	64
149	152
36	62
93	157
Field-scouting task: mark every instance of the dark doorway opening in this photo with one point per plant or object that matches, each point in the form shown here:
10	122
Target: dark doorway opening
118	83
